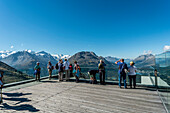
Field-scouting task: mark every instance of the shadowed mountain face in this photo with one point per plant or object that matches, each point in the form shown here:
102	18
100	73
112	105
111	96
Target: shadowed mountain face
88	59
11	74
145	60
141	61
26	60
5	67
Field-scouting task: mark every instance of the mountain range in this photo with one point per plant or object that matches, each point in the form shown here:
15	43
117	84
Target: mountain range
27	59
145	60
4	54
114	59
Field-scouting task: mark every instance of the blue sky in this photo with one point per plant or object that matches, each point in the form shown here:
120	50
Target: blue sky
122	28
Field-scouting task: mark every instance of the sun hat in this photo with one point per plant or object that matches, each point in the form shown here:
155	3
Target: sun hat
132	62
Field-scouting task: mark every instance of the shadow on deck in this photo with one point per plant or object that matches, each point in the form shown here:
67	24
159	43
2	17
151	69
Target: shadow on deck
54	97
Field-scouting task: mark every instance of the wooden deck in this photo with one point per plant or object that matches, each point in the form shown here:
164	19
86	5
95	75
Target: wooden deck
69	97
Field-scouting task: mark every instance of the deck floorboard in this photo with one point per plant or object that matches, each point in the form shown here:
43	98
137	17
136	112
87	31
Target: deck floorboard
69	97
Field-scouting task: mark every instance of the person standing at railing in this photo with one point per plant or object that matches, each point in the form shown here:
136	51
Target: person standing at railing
60	70
101	67
132	74
122	72
1	84
37	69
71	70
77	71
50	68
66	69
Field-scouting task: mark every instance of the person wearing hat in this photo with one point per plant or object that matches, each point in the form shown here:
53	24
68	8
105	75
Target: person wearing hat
37	71
132	74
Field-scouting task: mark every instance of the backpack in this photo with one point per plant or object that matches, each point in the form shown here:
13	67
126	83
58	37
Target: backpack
56	66
52	67
101	66
123	68
61	68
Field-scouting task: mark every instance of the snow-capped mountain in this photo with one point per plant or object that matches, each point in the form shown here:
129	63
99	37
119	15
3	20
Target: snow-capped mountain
28	58
4	54
61	56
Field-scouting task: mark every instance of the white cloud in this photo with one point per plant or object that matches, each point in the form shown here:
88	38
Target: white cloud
166	48
147	52
12	47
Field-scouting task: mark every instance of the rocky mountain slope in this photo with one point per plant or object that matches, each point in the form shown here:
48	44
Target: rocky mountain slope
88	59
11	74
145	60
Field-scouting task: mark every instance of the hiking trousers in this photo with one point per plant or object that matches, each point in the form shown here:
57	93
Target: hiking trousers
67	74
50	73
132	78
37	76
124	79
60	76
102	76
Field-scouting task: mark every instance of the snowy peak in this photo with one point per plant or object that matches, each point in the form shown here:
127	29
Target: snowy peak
61	56
6	53
30	51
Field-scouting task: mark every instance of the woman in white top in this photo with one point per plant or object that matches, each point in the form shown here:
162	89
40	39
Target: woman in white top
132	74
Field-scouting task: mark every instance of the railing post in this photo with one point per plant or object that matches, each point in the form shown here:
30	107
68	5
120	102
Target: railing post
156	80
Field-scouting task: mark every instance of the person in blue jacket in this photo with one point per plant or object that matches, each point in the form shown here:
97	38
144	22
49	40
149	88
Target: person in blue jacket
123	69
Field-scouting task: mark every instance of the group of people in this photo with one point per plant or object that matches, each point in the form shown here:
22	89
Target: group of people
62	68
123	71
69	70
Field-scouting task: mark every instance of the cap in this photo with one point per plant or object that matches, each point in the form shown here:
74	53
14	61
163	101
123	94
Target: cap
132	62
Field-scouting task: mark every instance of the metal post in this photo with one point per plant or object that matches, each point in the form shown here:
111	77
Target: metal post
1	96
156	80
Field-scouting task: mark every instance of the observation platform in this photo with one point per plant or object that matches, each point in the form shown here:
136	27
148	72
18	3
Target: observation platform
51	96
